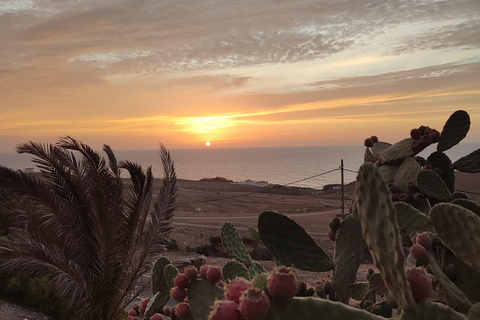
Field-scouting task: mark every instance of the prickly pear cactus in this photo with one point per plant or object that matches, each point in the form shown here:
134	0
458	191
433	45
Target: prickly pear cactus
350	247
411	219
454	131
433	186
469	163
456	227
233	244
291	244
233	269
380	230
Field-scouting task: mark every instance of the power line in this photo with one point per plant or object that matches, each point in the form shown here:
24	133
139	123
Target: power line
471	192
261	191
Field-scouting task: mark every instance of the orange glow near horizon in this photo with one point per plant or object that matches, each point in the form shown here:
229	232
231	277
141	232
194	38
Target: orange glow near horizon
294	75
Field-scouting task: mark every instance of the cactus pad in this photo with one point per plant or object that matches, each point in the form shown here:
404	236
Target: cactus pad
398	151
389	172
255	269
411	219
233	269
441	161
201	297
291	244
468	204
406	173
314	308
430	310
450	288
432	185
377	284
360	290
160	288
380	230
459	229
368	156
454	131
233	244
378	148
254	233
350	247
469	163
170	273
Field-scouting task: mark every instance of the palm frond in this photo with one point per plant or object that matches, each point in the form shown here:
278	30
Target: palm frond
82	225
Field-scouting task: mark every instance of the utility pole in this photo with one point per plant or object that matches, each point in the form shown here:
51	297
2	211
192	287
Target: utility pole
343	193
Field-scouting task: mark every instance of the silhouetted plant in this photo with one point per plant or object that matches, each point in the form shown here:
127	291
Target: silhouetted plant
93	233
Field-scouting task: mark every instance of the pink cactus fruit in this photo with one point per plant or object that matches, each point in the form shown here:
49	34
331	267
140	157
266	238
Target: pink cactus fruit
254	304
136	306
181	281
332	235
420	283
156	316
204	270
235	288
214	274
178	294
282	284
132	313
301	288
191	272
182	310
166	311
424	240
145	302
419	253
141	310
225	310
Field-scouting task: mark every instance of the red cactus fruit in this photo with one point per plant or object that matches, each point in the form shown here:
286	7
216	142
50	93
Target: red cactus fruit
166	311
224	310
282	284
425	141
214	274
191	272
422	129
156	316
419	253
133	313
415	134
332	235
403	197
368	143
145	302
302	287
420	283
235	288
182	309
204	270
416	146
374	139
181	281
424	240
178	294
254	304
141	310
136	306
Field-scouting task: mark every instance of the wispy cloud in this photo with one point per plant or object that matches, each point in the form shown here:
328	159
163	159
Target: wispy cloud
204	67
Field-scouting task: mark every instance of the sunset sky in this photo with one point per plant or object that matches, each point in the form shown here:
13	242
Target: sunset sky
237	73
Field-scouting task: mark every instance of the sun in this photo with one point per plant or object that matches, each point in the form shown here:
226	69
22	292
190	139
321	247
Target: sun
208	143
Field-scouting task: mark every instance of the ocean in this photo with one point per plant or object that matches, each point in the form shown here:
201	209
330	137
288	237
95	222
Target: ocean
312	167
